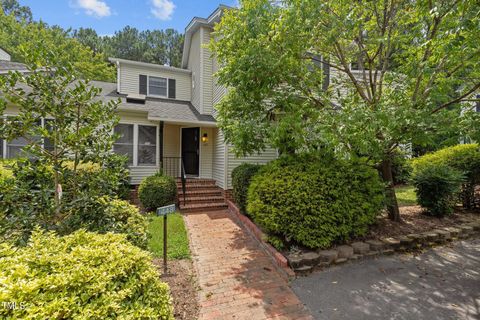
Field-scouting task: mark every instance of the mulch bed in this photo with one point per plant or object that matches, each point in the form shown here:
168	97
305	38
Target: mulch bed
181	278
415	221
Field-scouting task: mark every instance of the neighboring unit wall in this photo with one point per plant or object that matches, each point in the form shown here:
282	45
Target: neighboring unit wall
129	79
207	78
218	90
219	154
233	162
194	66
4	55
200	62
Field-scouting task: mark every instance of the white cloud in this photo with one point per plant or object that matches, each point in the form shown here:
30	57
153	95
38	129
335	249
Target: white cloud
95	8
162	9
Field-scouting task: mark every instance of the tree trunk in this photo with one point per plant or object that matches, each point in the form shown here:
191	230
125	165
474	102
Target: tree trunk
392	204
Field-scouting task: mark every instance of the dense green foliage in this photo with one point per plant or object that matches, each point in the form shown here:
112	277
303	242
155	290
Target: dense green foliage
437	188
20	38
401	167
315	201
81	276
464	158
241	177
154	46
107	214
395	72
157	191
27	199
177	238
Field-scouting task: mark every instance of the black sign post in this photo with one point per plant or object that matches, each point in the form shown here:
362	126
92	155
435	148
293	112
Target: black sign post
164	211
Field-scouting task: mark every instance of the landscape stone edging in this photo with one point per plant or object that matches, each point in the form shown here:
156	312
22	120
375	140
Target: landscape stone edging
308	261
279	259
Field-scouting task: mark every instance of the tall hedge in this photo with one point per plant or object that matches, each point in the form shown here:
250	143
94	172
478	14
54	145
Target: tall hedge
315	201
241	178
464	158
81	276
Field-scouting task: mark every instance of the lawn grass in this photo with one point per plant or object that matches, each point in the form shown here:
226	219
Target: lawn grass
406	195
177	241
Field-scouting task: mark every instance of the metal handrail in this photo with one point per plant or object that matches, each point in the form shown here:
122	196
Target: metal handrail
184	182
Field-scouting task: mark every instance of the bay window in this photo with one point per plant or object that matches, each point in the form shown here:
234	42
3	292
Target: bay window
147	146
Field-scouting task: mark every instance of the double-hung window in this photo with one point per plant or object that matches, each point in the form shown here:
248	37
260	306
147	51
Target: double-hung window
138	142
124	144
157	86
147	145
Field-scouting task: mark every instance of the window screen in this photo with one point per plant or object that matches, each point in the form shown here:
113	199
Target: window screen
124	144
147	145
157	86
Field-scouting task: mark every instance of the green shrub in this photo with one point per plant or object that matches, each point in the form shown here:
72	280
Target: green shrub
241	177
437	188
81	276
401	167
157	191
315	201
27	197
106	214
464	158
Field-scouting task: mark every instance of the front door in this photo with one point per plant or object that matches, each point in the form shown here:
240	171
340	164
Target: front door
190	150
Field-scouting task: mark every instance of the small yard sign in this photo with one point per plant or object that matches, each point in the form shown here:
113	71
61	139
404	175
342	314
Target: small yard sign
163	211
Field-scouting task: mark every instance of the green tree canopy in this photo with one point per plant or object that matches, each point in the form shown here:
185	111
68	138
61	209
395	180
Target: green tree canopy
21	37
291	84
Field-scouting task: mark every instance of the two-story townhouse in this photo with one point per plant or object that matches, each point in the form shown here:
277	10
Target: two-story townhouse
168	114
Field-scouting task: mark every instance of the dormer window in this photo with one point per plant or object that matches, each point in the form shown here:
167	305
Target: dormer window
157	86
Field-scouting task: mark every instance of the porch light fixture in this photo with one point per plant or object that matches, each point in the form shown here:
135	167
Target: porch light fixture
205	138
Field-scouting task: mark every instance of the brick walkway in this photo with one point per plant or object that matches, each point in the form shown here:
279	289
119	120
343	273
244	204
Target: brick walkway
237	278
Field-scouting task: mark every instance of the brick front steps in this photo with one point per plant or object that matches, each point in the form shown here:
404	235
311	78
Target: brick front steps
200	195
306	262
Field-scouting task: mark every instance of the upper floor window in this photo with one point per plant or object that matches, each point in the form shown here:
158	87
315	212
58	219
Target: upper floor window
157	86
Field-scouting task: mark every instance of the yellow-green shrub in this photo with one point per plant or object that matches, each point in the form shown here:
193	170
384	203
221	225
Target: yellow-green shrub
464	158
81	276
315	201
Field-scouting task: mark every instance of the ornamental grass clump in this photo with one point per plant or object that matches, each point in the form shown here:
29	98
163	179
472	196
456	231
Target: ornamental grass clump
315	201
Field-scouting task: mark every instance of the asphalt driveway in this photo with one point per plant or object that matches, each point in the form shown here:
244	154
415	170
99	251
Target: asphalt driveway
442	283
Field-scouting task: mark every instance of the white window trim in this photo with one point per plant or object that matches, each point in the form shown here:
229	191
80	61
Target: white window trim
156	95
135	144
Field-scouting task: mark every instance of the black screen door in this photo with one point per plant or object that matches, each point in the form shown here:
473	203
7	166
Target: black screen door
190	150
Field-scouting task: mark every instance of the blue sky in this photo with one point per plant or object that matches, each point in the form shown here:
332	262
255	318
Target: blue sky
108	16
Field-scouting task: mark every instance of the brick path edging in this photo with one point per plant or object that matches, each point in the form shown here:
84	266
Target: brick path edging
279	259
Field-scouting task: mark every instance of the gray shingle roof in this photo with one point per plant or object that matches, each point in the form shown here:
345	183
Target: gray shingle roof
157	109
6	66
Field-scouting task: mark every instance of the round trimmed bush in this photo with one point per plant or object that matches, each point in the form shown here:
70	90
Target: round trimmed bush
157	191
464	158
241	177
437	188
81	276
314	201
